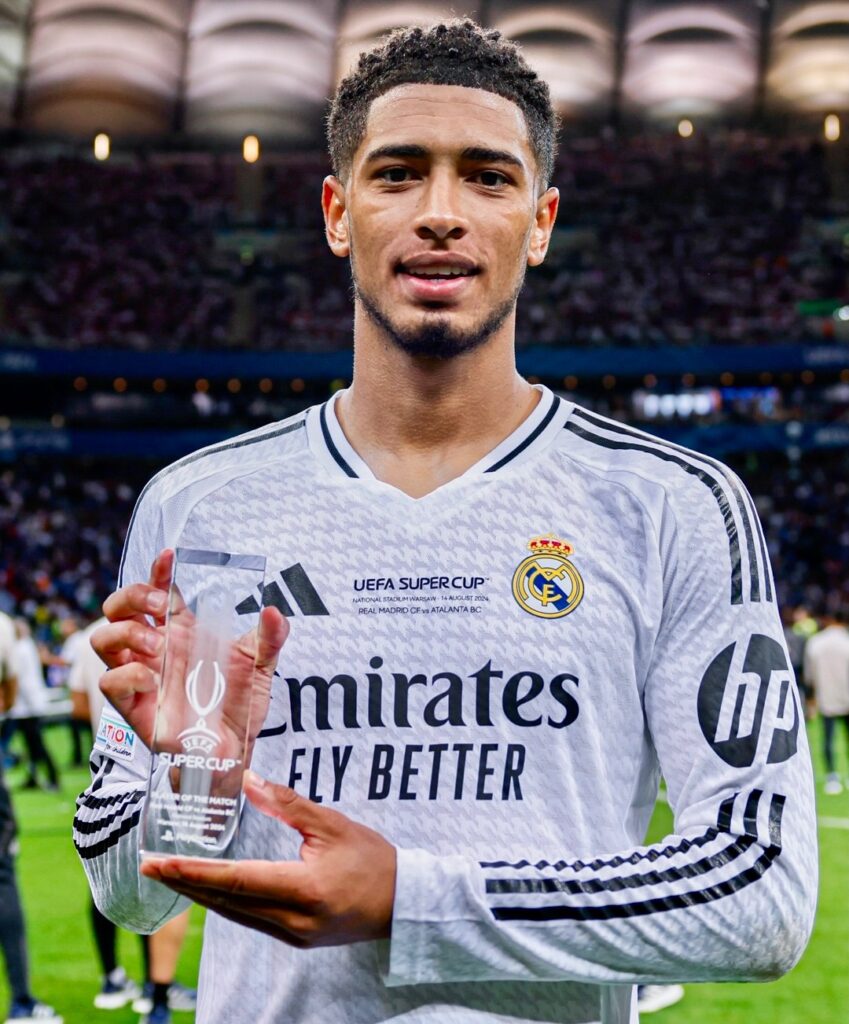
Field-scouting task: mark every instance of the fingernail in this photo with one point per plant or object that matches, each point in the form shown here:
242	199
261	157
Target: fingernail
257	781
170	870
157	603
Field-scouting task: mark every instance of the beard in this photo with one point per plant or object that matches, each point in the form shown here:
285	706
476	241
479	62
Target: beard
436	337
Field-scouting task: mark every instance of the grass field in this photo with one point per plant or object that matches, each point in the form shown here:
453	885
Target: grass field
64	970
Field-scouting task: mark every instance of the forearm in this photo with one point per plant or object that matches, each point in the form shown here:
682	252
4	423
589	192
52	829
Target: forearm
106	836
719	905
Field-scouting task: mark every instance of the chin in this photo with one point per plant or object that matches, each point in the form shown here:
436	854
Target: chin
440	332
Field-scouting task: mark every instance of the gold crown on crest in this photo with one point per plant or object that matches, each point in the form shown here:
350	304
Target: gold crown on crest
550	546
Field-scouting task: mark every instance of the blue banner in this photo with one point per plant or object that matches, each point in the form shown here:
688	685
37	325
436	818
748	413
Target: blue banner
720	440
538	361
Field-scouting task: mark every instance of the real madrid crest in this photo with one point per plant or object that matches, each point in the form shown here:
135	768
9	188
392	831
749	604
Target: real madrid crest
546	584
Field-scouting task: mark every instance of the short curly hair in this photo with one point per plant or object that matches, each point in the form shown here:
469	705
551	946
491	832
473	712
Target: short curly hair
457	52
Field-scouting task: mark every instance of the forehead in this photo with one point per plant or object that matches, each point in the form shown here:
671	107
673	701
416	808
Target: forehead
454	116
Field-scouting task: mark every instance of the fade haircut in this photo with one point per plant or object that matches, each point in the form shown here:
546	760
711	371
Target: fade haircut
458	52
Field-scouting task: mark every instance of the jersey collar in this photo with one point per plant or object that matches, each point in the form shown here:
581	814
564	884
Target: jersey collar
331	447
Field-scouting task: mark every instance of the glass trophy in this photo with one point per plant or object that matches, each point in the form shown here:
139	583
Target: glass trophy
204	729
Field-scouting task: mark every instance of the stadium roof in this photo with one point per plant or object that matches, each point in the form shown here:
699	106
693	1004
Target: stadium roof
220	68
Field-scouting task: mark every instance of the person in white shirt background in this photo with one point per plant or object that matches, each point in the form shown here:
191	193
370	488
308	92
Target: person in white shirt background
827	674
30	705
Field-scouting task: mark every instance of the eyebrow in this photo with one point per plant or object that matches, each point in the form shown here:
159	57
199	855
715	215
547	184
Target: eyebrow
473	154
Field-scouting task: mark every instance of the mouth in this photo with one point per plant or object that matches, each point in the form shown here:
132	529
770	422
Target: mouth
432	280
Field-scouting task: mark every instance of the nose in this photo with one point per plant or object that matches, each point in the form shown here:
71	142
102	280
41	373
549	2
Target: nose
440	215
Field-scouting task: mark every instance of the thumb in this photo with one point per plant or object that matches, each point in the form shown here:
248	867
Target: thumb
271	635
283	803
162	569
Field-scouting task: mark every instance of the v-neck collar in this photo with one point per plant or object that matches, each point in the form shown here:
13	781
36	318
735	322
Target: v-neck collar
331	447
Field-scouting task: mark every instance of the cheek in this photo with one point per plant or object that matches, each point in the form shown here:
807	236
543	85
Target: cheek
511	246
373	231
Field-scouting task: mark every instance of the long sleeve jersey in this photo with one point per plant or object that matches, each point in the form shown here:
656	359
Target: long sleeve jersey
495	676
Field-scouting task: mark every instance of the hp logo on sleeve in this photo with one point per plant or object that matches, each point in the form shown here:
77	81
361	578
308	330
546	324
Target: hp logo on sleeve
747	702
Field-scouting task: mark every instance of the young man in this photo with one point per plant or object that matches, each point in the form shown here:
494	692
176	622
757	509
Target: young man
508	616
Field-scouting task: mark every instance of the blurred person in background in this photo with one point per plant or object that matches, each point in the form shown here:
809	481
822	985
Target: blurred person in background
161	950
25	1007
798	628
29	708
827	673
70	636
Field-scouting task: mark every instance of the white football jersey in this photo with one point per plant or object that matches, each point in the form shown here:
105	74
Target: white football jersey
494	676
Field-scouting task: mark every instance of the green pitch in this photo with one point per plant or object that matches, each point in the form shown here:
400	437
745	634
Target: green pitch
65	973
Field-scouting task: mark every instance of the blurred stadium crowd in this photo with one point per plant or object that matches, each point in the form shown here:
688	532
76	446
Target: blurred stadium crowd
662	241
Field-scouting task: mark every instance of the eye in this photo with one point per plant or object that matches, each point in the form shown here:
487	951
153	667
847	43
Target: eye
492	179
395	175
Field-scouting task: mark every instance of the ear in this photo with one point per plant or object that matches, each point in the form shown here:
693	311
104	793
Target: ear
335	216
546	215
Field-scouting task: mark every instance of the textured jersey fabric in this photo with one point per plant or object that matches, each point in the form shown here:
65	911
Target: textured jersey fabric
494	676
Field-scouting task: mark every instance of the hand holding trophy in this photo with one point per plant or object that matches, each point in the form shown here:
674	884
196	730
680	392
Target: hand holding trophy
192	678
213	692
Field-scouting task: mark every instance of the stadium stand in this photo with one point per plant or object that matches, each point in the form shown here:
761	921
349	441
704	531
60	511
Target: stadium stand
663	242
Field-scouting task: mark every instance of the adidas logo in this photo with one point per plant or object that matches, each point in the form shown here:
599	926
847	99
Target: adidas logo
299	589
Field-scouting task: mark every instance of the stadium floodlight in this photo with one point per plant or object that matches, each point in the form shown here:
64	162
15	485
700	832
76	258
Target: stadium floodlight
685	128
831	127
250	149
102	146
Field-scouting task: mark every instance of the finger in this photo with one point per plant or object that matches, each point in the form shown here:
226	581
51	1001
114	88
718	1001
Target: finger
135	600
162	577
162	569
272	634
270	910
256	891
283	803
263	644
286	882
283	892
120	684
116	642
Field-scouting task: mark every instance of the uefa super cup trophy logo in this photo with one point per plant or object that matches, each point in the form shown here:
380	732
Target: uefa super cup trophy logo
199	736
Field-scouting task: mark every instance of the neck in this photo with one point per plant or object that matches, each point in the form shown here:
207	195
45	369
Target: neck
420	422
